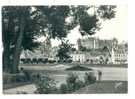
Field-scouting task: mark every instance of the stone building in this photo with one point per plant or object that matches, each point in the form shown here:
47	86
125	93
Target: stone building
119	55
96	43
78	57
88	43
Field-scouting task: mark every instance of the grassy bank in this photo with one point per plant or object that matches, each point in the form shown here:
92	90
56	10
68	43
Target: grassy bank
105	87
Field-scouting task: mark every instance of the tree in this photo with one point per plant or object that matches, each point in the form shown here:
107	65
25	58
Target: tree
21	25
29	24
17	29
64	50
83	48
89	24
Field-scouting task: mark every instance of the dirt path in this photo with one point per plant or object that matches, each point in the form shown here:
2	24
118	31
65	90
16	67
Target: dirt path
29	89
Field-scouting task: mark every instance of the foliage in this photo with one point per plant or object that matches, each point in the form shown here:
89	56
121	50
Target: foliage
106	11
79	84
63	88
55	24
72	84
89	25
45	85
72	78
64	50
81	48
89	78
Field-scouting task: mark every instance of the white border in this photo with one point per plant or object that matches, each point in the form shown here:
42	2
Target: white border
131	38
62	2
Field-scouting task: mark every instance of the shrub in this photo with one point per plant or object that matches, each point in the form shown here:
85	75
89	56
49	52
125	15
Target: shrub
72	78
35	77
89	78
79	84
46	85
63	88
22	60
71	82
45	60
20	78
13	78
27	75
35	61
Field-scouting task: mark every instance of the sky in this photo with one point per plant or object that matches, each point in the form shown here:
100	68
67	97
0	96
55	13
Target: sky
116	27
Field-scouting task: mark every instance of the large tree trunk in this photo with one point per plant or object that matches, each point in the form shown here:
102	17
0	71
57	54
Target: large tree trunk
17	50
7	29
6	59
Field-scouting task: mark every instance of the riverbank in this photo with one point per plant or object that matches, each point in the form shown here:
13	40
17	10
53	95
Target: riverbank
74	64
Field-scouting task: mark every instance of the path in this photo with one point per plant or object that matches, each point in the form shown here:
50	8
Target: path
29	89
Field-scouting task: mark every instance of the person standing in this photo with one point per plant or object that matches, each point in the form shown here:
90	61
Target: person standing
99	75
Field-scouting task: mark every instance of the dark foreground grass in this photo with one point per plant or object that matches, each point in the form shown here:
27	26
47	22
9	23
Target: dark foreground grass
105	87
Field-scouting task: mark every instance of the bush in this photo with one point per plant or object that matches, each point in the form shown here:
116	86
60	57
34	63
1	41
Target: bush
35	61
40	60
35	77
63	88
8	78
79	84
72	82
46	85
45	60
72	78
89	78
13	78
27	75
20	78
22	60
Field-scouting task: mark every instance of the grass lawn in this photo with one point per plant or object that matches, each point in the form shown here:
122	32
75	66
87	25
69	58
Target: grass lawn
105	87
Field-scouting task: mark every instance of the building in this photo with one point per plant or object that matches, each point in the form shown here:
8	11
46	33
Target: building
96	43
88	43
46	48
54	52
95	56
119	55
78	57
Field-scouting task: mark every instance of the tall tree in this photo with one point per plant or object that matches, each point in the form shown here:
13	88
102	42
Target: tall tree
17	28
64	51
